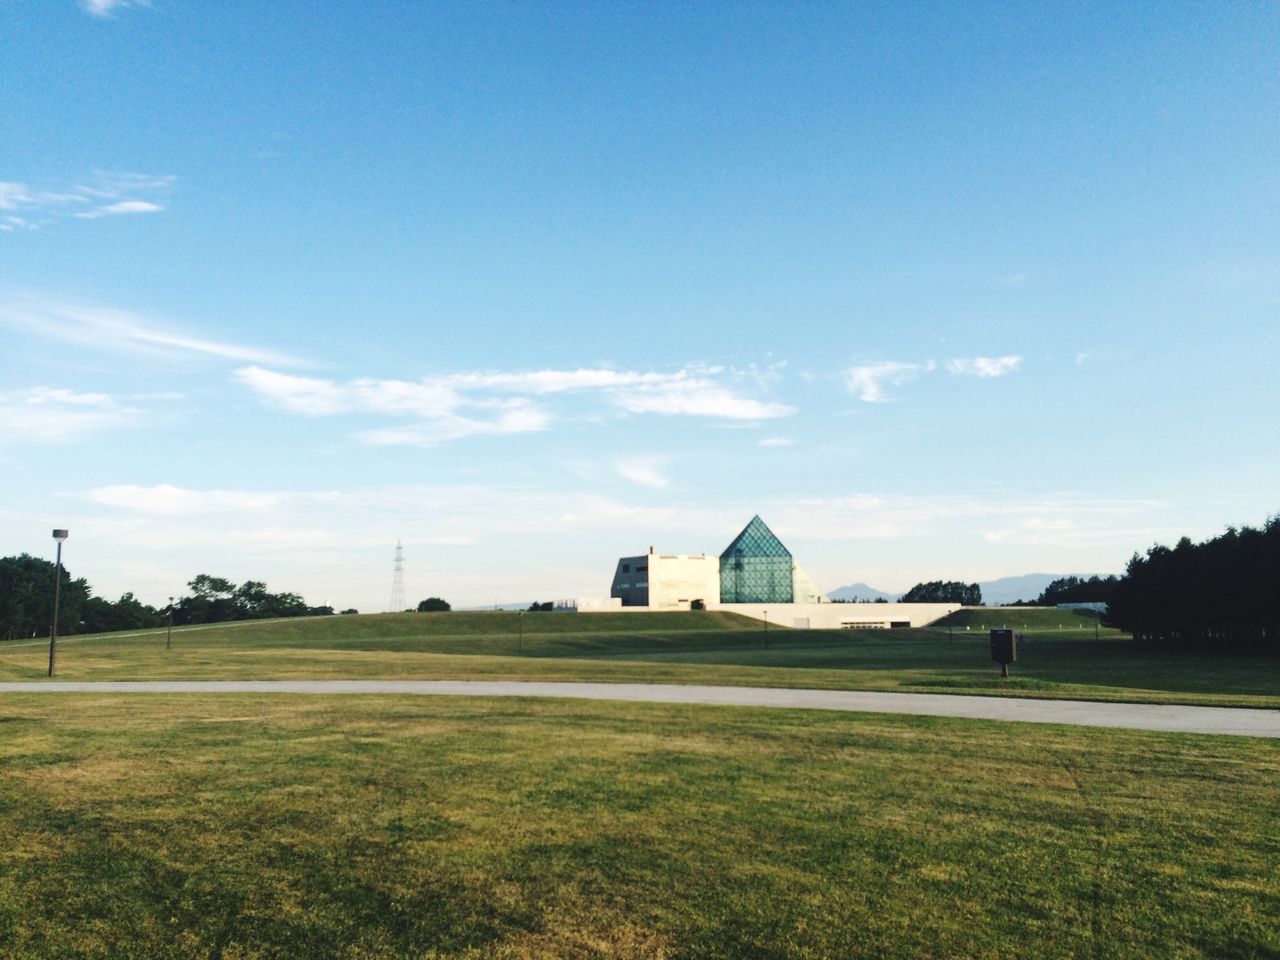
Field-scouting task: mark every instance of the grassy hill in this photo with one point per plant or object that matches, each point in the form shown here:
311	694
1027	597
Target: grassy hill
1059	655
383	826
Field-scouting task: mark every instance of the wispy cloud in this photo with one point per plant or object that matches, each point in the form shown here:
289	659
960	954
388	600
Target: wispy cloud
775	442
516	416
106	194
693	391
52	415
871	382
699	397
1030	518
642	470
315	397
453	406
287	535
108	8
984	367
557	381
166	499
124	206
117	330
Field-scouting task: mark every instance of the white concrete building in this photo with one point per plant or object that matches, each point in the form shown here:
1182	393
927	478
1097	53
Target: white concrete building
757	577
667	581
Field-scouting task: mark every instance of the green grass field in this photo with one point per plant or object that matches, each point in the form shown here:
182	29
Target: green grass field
1059	658
228	826
415	827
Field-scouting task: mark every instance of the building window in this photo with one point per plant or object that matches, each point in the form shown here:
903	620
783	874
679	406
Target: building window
756	568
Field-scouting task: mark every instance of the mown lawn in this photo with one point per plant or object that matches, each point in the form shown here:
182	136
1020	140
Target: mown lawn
1059	657
252	827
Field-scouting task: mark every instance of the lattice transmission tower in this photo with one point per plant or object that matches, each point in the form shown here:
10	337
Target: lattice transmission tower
397	582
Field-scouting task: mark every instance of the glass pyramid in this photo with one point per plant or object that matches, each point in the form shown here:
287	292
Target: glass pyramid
756	567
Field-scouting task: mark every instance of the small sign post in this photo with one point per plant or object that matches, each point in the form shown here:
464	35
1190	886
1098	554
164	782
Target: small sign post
1004	648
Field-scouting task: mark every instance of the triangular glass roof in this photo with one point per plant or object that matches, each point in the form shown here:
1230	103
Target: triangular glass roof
755	540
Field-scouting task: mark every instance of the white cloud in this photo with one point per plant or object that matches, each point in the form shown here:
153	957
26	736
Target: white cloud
123	206
557	381
642	470
1028	518
697	397
108	8
871	381
170	500
53	415
984	367
120	330
453	406
106	193
689	391
306	540
517	417
436	404
775	442
309	395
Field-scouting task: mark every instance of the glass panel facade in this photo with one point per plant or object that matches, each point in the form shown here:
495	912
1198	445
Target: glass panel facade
756	567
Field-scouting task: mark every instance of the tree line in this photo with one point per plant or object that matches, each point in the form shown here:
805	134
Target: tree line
1219	596
944	591
26	602
217	600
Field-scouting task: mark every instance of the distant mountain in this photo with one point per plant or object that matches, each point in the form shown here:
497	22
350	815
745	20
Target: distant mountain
1026	587
995	593
860	591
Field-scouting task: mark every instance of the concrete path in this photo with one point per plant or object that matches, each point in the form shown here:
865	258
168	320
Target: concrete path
1135	716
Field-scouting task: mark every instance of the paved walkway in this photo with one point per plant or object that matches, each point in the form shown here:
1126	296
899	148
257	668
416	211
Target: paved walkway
1134	716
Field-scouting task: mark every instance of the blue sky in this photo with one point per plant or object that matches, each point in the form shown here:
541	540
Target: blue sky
942	291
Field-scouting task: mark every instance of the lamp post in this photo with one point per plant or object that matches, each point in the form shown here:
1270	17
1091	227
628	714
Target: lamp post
59	536
520	620
766	629
168	637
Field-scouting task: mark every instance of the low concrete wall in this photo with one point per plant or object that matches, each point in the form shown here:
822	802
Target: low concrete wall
835	616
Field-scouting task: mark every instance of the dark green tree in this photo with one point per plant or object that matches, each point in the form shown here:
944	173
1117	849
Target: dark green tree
210	601
216	600
26	598
949	591
1218	596
434	605
1073	589
99	615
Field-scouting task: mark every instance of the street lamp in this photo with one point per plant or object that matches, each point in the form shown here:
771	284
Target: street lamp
168	637
59	536
521	622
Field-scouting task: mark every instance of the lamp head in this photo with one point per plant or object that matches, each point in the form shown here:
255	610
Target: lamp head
60	535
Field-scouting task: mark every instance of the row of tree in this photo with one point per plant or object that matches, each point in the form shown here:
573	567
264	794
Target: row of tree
944	591
1219	596
1093	589
26	598
217	600
26	602
1072	589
